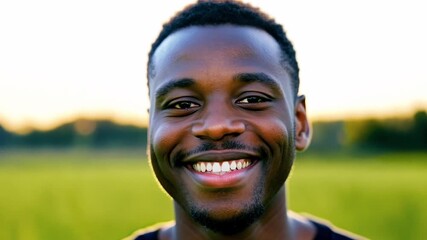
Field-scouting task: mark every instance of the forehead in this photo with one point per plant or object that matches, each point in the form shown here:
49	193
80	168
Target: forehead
208	49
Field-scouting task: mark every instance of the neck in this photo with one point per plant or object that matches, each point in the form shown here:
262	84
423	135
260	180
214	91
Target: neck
273	224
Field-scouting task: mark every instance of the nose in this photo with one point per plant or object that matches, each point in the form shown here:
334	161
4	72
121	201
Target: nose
218	124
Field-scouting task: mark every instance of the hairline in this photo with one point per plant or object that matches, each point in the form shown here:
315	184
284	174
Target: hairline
283	55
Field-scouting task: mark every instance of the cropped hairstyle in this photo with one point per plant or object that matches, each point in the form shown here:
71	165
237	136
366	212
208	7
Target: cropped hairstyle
220	12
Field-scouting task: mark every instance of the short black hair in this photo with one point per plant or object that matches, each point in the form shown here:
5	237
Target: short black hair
220	12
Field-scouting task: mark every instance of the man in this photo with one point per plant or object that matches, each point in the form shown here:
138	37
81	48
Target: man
225	122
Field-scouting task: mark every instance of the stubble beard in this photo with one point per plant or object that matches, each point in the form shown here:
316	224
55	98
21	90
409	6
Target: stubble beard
236	223
252	210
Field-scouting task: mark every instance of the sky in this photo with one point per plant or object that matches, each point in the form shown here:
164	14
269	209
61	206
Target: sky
60	60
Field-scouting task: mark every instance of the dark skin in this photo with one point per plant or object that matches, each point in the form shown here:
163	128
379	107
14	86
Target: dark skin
219	94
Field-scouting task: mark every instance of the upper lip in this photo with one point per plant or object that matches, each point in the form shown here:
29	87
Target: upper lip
220	155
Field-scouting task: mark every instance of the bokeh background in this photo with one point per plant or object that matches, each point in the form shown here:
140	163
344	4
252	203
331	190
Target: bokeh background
73	116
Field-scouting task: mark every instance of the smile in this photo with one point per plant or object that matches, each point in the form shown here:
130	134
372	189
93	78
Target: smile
221	167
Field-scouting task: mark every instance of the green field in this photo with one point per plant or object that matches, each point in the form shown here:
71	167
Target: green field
107	195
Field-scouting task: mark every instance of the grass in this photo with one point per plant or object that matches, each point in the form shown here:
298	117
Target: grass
380	197
107	195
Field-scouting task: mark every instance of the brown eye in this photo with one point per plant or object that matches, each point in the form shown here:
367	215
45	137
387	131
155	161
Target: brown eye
184	105
252	99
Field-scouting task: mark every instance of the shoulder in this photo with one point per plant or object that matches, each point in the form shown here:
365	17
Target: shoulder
326	231
149	233
311	227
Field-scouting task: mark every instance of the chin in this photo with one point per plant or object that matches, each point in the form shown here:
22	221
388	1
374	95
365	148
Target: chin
228	223
229	218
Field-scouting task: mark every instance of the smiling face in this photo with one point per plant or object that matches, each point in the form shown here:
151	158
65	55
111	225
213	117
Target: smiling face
222	122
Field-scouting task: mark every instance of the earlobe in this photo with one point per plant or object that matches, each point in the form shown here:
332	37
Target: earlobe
302	126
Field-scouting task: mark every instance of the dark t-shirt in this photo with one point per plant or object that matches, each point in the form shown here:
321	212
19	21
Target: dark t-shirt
323	232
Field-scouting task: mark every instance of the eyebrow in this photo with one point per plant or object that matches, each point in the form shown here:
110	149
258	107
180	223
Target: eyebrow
258	77
173	84
241	77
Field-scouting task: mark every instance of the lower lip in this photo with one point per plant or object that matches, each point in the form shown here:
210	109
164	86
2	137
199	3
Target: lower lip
225	180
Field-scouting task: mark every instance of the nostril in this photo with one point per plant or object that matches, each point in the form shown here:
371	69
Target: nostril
216	131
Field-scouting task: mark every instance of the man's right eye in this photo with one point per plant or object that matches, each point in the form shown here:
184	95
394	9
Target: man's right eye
183	105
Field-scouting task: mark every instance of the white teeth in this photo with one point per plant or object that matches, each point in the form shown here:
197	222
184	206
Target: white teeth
209	167
196	167
221	167
216	168
233	165
225	167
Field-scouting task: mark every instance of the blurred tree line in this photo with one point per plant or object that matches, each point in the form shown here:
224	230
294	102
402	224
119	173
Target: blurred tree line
80	133
372	135
386	135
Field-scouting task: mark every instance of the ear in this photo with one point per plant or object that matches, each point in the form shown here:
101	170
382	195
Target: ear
302	126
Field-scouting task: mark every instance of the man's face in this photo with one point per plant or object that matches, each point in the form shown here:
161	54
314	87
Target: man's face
222	121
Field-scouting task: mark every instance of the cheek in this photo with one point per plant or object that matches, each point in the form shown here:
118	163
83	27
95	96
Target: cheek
162	139
279	137
276	133
166	139
276	126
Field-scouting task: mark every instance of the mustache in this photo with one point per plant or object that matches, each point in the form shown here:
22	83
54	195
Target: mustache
210	146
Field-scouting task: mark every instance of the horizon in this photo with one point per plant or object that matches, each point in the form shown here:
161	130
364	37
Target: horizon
144	124
62	60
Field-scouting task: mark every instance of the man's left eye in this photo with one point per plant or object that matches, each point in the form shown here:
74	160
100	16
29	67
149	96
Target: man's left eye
252	99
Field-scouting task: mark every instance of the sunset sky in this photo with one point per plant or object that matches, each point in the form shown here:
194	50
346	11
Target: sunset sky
64	59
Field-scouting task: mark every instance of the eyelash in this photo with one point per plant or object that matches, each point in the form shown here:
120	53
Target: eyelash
258	99
249	102
176	105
